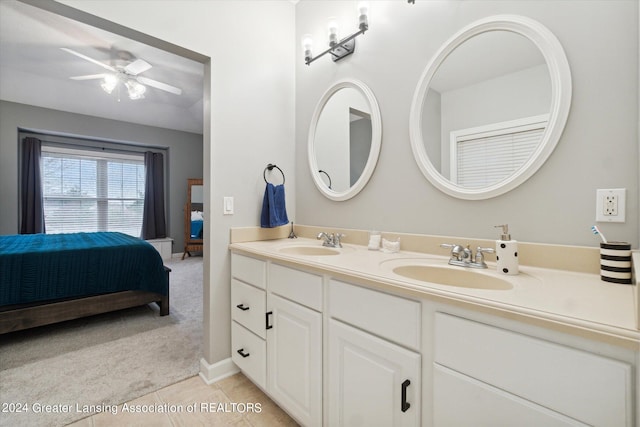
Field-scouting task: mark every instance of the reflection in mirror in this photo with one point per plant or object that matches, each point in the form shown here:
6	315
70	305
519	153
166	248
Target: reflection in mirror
197	195
486	109
197	202
490	107
359	143
344	139
328	178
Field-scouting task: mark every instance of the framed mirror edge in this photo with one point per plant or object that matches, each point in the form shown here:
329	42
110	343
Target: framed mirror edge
376	140
561	88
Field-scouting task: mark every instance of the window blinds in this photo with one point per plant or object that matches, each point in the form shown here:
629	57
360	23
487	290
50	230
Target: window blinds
488	157
88	190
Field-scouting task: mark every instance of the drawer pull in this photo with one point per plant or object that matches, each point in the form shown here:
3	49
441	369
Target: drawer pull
267	325
404	405
242	307
242	353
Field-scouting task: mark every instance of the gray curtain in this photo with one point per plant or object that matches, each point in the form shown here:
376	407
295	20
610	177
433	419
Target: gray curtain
153	220
32	205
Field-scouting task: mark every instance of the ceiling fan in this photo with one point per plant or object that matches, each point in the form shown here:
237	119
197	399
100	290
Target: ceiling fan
125	72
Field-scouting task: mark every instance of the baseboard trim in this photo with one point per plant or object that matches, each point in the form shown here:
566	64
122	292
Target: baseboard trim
219	370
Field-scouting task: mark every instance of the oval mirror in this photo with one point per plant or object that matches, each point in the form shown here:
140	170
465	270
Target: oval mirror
490	107
344	139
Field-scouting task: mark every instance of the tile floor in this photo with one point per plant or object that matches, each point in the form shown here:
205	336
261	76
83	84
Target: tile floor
236	389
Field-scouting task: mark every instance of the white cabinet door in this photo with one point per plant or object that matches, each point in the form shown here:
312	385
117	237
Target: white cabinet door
372	382
294	358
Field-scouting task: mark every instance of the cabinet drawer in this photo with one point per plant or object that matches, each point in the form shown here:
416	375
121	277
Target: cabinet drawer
590	388
295	285
248	306
394	318
459	400
250	270
254	362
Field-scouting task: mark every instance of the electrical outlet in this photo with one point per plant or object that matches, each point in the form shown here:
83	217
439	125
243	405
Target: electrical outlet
610	205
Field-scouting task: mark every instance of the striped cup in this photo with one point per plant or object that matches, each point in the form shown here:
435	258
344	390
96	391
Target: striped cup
615	262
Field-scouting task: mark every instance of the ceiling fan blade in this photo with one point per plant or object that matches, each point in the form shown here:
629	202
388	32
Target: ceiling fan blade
86	58
88	77
138	66
159	85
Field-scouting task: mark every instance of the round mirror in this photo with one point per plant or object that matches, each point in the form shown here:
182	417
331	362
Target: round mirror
344	139
490	107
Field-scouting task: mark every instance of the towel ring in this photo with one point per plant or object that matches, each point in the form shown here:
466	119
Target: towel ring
270	166
321	171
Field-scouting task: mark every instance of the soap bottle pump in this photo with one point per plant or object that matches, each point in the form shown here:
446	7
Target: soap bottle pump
506	252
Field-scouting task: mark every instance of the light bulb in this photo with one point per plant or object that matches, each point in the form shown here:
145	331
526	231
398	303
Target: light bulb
136	90
307	44
333	32
363	19
109	83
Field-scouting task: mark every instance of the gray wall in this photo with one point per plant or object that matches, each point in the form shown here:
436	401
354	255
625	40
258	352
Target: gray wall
599	147
184	155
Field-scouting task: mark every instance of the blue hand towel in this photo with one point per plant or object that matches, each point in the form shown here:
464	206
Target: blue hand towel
274	211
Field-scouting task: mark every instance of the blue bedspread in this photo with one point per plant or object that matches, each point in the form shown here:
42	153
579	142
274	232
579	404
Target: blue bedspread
196	228
41	267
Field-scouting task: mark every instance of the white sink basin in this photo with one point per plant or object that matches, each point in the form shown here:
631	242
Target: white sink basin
452	277
309	250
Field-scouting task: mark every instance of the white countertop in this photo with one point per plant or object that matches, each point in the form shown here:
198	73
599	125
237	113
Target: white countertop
577	301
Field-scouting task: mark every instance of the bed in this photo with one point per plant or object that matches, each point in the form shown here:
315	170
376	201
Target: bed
48	278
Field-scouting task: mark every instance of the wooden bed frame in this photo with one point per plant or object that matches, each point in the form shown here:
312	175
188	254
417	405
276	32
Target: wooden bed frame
24	316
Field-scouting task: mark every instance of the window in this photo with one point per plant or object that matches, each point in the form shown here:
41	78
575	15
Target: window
87	190
489	154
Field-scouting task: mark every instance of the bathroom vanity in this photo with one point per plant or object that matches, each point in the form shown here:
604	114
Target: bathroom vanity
343	336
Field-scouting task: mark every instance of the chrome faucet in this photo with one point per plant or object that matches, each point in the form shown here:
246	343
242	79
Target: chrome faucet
463	256
331	240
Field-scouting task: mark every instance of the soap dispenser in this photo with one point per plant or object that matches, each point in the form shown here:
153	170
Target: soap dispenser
506	252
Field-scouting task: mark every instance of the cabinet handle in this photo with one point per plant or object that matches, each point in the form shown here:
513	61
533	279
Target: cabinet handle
242	307
404	405
242	353
268	326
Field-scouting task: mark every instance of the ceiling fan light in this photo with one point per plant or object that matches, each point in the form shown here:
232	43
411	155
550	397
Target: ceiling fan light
109	83
136	90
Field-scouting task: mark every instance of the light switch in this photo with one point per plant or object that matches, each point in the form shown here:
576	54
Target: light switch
228	206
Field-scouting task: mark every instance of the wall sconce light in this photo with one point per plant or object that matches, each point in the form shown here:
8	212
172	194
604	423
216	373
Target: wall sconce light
338	48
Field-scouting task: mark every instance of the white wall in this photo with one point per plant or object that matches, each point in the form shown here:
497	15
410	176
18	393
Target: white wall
598	149
248	119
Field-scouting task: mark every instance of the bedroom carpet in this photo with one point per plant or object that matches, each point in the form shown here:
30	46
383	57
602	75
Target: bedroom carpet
105	359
